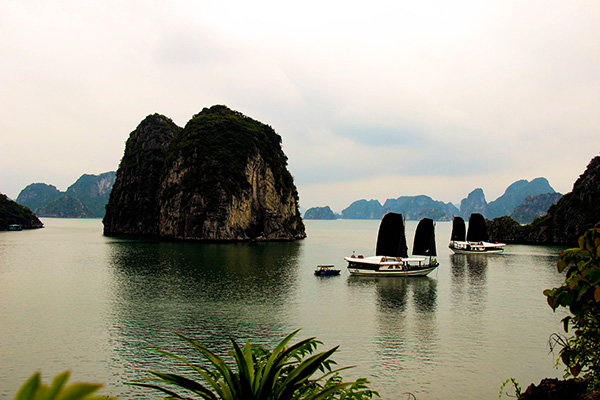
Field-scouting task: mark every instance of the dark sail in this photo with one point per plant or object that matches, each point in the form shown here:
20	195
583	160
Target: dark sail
391	239
458	229
424	244
477	231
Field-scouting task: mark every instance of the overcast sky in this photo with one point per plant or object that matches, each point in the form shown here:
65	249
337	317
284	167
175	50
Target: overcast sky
373	100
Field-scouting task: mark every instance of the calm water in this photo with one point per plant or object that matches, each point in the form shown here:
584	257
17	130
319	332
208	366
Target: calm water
71	298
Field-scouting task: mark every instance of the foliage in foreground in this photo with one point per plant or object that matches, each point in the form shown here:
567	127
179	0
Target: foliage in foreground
34	389
581	294
285	373
515	387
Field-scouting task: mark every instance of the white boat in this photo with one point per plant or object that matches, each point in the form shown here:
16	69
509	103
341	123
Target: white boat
476	240
392	258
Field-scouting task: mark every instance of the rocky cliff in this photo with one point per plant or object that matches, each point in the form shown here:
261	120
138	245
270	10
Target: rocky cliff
223	177
569	218
133	207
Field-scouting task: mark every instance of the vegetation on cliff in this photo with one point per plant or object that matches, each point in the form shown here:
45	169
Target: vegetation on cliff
221	141
13	213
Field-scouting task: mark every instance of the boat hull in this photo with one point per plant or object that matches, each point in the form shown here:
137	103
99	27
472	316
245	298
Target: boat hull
330	273
369	272
326	270
385	266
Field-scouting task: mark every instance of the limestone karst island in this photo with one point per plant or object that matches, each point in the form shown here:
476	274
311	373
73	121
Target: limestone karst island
223	177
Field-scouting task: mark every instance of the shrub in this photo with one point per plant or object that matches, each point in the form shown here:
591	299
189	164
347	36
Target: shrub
581	294
287	372
34	389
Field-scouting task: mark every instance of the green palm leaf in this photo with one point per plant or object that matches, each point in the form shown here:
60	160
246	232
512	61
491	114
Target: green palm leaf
162	389
302	373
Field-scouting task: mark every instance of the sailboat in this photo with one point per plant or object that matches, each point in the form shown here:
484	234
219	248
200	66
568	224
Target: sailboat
476	240
392	252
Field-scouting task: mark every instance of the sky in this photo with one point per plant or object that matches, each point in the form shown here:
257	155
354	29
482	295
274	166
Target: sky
373	100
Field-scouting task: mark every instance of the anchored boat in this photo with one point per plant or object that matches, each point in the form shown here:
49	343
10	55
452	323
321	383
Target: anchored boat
392	252
476	240
326	270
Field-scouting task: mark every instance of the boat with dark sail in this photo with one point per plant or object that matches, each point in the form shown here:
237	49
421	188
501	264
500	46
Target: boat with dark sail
391	257
476	240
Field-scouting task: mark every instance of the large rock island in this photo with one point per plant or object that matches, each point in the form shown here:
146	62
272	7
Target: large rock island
223	177
565	221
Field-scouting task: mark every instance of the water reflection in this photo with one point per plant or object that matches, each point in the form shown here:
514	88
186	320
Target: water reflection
395	293
406	330
206	291
469	283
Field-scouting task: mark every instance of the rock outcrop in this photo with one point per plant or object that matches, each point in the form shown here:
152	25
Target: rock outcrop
223	177
576	212
12	213
363	209
515	194
38	195
555	389
475	203
319	213
415	208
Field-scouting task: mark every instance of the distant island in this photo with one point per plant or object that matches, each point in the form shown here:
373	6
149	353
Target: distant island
528	200
86	198
223	177
319	213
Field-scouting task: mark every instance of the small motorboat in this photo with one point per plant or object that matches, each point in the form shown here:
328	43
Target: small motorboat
326	270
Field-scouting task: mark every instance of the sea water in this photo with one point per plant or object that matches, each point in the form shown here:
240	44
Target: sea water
73	299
